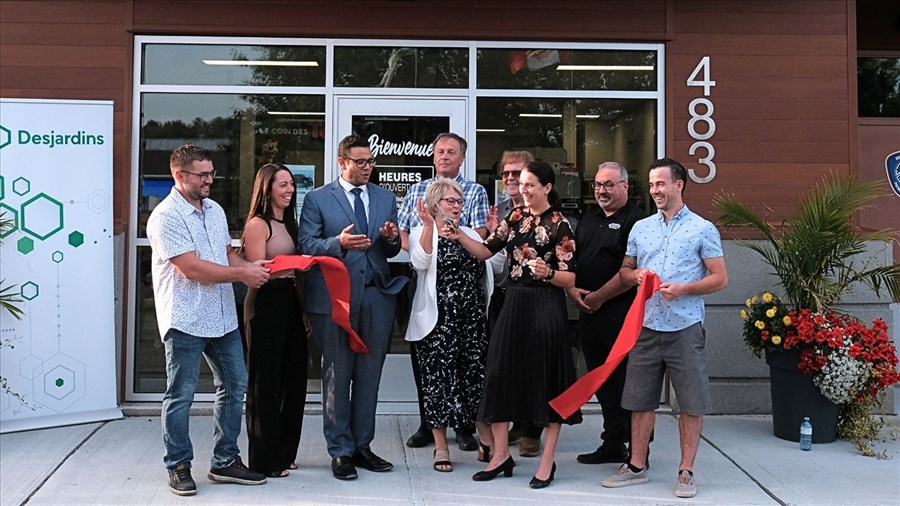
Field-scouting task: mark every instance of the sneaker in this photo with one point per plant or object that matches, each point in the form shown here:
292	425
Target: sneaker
529	447
624	477
238	473
685	487
180	480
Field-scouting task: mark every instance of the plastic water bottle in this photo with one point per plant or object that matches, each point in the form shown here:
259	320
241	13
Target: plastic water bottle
806	435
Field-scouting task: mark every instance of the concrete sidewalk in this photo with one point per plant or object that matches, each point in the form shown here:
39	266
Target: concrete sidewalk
739	462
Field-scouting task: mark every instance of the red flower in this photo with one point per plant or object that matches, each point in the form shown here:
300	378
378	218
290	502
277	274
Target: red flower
818	335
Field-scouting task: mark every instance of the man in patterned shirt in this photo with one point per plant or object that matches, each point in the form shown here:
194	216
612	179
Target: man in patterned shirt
685	251
449	153
193	267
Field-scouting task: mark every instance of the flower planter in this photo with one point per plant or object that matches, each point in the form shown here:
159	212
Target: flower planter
794	396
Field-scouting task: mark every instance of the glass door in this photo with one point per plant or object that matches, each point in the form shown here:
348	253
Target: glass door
400	131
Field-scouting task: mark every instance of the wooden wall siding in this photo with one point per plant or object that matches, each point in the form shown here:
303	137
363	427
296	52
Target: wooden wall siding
472	19
781	98
76	50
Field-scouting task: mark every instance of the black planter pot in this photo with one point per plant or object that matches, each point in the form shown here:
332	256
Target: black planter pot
794	396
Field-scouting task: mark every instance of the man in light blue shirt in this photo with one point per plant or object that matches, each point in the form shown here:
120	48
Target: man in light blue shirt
685	251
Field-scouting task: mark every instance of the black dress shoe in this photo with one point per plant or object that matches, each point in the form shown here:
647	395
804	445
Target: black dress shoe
466	442
420	439
538	483
606	454
342	468
506	468
366	459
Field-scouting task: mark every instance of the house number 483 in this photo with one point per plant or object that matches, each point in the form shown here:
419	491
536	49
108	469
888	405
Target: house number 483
705	117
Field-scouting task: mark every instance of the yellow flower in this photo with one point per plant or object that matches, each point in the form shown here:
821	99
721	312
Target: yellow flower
787	320
771	313
754	299
747	303
767	297
760	325
744	315
776	340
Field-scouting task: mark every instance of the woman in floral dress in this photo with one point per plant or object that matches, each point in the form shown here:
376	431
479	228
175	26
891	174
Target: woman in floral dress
529	359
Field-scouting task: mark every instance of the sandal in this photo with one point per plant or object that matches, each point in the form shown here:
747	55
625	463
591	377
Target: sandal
292	466
484	452
284	473
442	462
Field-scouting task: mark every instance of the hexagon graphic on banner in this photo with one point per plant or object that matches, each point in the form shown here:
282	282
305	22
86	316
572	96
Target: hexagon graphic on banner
98	201
76	239
5	137
2	187
42	216
63	382
29	290
21	186
11	215
25	245
30	367
57	256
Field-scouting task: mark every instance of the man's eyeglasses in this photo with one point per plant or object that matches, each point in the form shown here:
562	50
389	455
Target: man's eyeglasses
201	175
608	185
362	162
454	202
511	173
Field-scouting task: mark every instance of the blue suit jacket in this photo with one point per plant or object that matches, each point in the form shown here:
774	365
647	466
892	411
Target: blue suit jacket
326	212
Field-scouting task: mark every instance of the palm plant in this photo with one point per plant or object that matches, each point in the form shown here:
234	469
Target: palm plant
813	253
9	300
9	297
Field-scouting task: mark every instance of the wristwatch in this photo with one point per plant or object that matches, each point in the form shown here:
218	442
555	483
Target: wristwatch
550	275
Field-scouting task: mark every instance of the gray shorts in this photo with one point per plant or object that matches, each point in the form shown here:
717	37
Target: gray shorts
683	354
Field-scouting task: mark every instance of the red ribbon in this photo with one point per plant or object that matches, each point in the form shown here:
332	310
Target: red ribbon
337	281
582	390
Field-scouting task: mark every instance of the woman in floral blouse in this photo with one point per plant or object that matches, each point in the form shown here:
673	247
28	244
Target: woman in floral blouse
529	361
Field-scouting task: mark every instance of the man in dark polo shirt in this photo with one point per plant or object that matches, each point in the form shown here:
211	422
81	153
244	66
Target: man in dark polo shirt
600	240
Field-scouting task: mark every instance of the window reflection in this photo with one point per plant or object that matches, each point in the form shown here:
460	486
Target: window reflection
558	69
245	131
401	67
574	136
198	64
242	133
879	87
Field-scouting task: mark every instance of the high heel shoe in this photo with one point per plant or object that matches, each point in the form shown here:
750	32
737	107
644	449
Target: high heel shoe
484	452
537	483
506	468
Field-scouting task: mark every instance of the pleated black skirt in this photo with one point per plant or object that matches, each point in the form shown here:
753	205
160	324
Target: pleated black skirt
529	358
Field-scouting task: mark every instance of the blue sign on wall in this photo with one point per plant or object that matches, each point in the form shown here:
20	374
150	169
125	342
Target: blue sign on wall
892	166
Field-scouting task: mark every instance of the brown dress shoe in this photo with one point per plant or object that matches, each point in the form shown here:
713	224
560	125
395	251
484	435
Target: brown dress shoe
529	447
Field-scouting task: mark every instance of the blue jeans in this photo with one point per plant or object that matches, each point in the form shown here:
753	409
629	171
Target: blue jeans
225	356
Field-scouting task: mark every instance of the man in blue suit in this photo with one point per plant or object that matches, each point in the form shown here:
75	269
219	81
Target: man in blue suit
355	221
